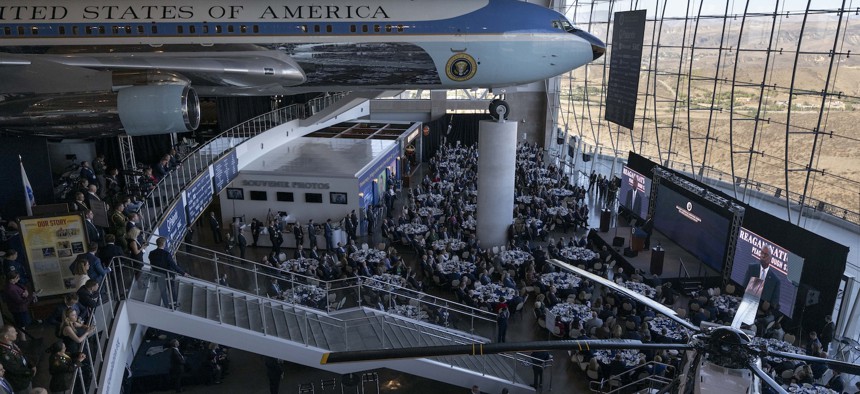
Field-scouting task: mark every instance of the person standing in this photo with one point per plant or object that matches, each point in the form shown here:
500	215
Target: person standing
88	173
255	231
19	371
167	269
312	234
353	219
215	225
189	239
329	235
299	233
275	373
275	237
177	365
539	358
11	264
827	333
242	242
62	367
18	300
502	320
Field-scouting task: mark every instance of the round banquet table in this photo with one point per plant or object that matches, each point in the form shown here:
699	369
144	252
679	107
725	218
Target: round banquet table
310	295
300	266
641	288
675	333
571	312
455	245
776	344
561	280
515	258
576	255
456	269
413	229
429	211
491	293
561	192
369	256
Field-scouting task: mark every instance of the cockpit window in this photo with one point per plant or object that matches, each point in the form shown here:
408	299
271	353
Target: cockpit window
563	25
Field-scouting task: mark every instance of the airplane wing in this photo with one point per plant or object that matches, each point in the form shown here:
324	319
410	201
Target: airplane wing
206	71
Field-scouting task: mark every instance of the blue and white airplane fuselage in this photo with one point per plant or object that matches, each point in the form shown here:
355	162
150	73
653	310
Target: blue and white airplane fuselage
268	48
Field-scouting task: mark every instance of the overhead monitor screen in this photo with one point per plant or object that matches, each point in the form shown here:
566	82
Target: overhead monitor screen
694	227
635	191
782	275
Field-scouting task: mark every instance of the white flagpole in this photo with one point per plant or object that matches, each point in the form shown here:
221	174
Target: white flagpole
29	197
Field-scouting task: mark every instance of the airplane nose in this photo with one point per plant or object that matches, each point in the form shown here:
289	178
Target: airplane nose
598	48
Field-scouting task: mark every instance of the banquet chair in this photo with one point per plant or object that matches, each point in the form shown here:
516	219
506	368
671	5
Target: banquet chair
787	375
592	375
730	289
364	246
681	312
495	250
519	307
556	332
579	359
789	338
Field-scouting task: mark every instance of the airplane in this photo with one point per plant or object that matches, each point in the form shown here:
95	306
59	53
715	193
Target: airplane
78	68
717	359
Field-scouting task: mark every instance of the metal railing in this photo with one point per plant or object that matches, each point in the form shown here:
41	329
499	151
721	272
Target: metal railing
166	191
637	383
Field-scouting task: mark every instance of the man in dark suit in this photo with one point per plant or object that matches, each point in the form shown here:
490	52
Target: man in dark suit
94	234
177	364
329	235
215	225
763	270
648	228
241	241
166	268
312	233
299	233
540	357
110	250
88	297
633	200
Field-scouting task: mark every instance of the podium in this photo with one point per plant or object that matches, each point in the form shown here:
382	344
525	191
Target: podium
605	218
637	241
657	255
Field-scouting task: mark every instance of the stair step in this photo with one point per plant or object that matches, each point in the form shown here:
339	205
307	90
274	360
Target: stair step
240	309
279	316
227	312
212	305
255	315
317	335
293	324
269	325
153	290
198	301
186	292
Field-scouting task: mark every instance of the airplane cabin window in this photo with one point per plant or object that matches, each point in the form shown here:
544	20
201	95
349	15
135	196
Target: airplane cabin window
128	30
89	30
364	28
316	28
154	29
400	28
352	28
74	30
256	29
328	28
192	29
115	29
303	28
218	29
229	28
7	31
243	29
101	30
376	28
388	28
179	29
34	30
62	30
205	29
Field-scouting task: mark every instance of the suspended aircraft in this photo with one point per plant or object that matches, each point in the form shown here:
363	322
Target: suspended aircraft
718	359
72	67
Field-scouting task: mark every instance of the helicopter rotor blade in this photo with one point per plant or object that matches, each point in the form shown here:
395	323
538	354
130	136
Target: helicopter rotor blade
766	378
479	349
835	365
668	312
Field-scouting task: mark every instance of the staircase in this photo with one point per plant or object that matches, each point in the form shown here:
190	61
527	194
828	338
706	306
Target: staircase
299	334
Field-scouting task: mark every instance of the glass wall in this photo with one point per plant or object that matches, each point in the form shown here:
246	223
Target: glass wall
765	93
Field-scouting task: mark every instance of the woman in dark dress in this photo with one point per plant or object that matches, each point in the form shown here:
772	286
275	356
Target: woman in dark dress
62	367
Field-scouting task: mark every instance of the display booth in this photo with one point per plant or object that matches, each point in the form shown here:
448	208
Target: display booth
316	178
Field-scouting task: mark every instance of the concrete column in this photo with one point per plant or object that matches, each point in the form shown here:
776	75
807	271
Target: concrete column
497	155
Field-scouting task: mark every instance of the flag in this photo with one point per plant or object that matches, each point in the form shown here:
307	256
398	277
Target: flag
29	198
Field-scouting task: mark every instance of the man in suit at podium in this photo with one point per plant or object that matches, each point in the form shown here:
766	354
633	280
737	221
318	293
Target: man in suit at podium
633	200
763	271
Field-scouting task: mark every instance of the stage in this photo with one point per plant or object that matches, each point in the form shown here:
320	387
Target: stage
674	254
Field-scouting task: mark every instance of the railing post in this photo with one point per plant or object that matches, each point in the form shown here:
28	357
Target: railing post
218	301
